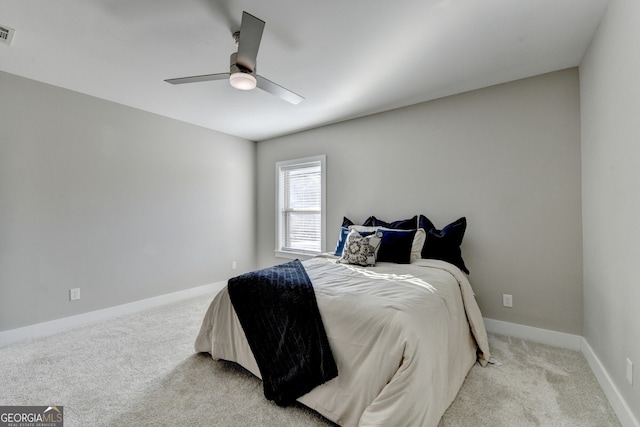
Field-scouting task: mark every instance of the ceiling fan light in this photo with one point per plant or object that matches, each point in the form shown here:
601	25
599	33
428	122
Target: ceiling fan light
242	81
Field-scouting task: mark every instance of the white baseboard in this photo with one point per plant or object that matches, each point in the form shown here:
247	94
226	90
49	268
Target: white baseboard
576	343
51	327
544	336
619	405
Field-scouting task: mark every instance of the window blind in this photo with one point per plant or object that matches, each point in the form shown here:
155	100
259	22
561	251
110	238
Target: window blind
300	207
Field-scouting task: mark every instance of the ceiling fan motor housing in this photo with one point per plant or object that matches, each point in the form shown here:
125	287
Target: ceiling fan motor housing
241	77
239	68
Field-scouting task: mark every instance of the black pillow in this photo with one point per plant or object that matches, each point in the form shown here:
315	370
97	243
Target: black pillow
403	224
346	221
395	246
444	244
370	222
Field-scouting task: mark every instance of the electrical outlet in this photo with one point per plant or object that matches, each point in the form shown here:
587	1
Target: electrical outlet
74	294
629	371
507	300
234	265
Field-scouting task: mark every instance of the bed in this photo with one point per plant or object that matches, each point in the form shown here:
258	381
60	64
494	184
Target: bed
403	336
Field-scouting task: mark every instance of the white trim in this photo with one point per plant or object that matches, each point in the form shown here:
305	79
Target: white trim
544	336
54	326
294	255
576	343
620	407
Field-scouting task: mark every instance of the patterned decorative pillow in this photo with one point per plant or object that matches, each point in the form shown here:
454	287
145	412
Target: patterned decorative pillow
361	250
344	232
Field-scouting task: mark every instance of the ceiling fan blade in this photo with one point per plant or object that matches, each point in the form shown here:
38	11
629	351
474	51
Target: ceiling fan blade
279	91
221	9
251	30
194	79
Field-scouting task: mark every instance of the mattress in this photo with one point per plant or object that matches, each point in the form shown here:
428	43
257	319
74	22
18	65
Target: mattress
403	336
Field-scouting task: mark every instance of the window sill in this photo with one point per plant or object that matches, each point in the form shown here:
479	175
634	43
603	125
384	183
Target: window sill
294	255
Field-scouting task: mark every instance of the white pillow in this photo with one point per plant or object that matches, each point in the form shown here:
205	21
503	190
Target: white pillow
364	228
418	243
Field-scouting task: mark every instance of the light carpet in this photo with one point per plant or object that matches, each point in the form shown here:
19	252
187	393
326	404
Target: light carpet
141	370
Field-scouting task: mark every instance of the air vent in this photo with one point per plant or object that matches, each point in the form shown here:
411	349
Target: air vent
6	34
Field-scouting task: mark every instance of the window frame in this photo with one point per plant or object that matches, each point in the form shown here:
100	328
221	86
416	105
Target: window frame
280	251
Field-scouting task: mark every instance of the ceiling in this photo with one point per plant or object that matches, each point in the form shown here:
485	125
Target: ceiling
347	58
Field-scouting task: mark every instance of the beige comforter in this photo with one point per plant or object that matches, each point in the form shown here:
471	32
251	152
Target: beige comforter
399	335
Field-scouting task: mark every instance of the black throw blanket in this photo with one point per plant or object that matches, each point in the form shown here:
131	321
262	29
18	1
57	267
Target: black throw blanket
279	314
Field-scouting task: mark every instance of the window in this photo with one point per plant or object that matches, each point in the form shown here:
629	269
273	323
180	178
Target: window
300	206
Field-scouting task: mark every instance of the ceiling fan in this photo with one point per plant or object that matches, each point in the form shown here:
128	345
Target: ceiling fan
242	74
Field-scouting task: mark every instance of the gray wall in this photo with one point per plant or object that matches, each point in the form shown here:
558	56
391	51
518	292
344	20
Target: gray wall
121	203
610	109
506	157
